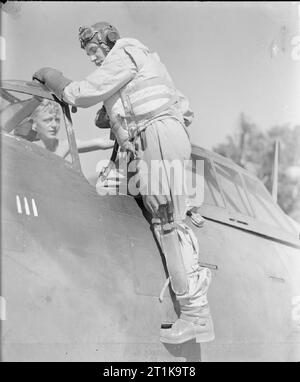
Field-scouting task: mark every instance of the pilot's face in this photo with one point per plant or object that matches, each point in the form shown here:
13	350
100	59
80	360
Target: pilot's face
96	53
46	125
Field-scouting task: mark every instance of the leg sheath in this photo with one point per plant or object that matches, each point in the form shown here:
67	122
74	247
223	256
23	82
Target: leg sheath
195	300
173	254
189	280
167	140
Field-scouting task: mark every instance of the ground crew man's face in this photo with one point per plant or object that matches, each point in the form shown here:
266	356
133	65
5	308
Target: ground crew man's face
96	53
46	124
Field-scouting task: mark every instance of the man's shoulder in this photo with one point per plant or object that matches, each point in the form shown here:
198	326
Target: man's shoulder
127	42
127	50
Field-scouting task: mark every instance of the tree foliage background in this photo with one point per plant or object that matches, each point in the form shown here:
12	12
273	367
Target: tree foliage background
253	149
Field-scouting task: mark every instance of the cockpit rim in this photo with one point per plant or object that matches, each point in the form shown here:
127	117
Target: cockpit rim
36	89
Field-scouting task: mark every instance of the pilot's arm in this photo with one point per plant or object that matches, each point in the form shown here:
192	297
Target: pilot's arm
116	70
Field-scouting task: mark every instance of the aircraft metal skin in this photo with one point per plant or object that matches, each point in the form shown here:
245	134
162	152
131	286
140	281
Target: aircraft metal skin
81	275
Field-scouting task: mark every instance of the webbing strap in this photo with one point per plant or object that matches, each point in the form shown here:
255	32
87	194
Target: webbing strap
152	97
142	85
153	113
147	83
130	117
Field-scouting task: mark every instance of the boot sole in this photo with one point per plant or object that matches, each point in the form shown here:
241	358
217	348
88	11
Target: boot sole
204	337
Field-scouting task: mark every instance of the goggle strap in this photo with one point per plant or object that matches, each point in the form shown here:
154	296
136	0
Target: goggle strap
91	34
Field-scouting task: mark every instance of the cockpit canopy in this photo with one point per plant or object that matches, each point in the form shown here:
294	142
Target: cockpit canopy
236	197
30	112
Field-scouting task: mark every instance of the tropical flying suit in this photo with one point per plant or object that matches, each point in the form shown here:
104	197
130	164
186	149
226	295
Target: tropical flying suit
139	95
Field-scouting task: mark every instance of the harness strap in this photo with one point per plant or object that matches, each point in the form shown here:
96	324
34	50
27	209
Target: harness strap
135	124
143	85
140	128
147	83
152	97
153	113
165	286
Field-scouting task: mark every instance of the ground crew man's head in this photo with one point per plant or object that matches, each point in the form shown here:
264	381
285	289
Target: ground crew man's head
97	40
42	124
46	120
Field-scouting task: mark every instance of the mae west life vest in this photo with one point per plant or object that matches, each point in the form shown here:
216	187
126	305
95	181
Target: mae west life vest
146	96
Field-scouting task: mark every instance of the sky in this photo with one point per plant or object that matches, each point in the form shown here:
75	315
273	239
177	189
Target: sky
227	58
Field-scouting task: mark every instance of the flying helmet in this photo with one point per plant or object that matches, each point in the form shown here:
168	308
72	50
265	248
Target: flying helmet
100	33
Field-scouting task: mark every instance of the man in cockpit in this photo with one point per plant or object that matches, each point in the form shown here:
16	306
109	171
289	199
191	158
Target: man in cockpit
43	125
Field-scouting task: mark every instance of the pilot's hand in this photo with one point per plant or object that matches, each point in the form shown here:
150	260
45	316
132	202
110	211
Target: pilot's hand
53	79
103	174
130	148
41	74
102	119
105	171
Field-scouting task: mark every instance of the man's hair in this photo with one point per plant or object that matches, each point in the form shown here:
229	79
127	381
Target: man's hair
24	129
45	106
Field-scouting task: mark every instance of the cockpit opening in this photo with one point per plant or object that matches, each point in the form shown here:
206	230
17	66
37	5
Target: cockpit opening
35	119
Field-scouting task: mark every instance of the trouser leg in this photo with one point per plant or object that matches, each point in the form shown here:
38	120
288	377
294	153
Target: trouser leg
179	244
195	319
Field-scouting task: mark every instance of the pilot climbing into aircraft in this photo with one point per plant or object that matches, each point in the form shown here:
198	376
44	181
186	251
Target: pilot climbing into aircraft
148	117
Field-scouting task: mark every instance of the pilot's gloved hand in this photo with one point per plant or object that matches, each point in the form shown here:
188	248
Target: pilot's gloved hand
130	148
102	119
105	171
53	79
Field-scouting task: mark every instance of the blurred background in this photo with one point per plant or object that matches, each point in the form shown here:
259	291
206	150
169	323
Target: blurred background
238	63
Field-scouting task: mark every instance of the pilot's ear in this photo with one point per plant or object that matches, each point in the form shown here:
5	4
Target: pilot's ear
33	127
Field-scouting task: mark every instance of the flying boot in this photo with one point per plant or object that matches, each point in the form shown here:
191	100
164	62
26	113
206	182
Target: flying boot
195	320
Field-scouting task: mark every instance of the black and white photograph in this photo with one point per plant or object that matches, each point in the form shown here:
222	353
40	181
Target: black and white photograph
150	184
